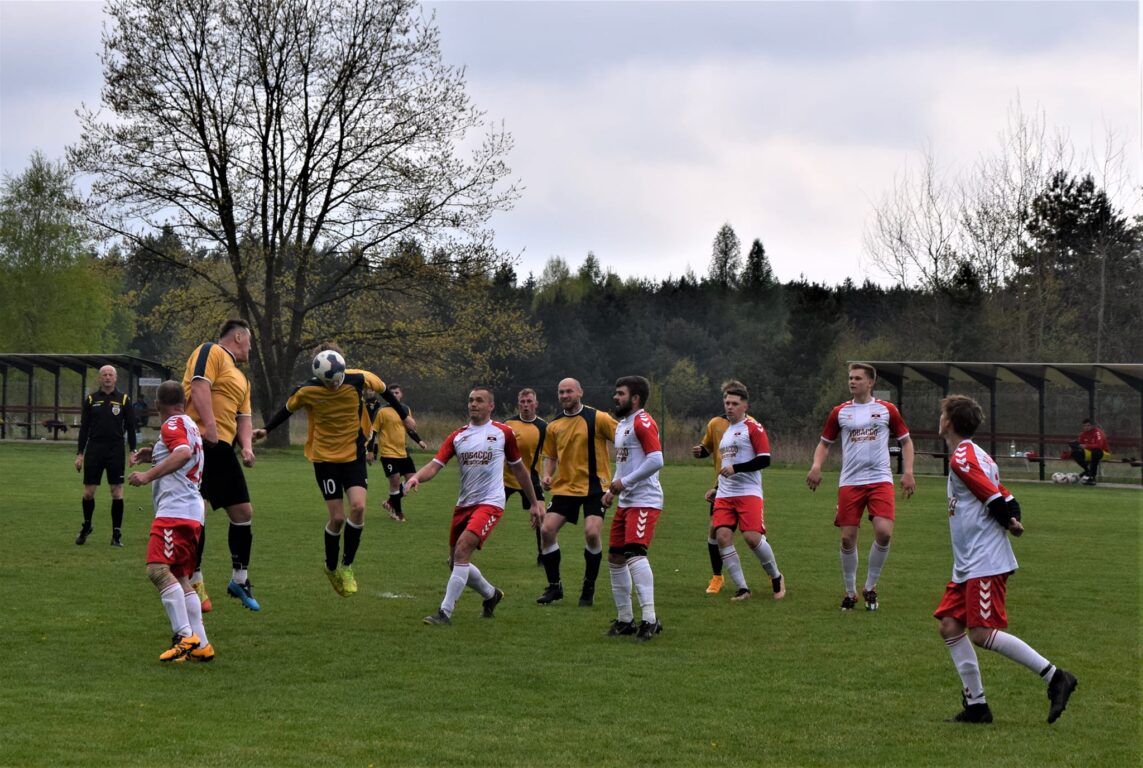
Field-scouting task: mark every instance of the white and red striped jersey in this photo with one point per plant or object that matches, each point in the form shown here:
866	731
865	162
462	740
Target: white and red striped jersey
980	545
176	494
636	443
865	429
481	451
740	443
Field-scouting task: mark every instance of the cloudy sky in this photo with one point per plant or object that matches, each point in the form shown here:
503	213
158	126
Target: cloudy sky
642	127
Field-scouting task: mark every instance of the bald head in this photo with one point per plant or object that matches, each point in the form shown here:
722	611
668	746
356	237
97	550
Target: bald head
570	394
108	376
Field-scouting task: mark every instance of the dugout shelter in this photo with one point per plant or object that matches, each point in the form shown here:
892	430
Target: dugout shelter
1032	408
36	413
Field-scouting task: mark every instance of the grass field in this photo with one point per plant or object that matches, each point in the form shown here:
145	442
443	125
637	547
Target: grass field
315	679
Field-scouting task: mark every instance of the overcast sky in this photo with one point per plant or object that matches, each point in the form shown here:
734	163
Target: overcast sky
642	127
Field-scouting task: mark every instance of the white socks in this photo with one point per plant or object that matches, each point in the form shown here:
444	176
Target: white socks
176	607
634	574
478	583
877	557
733	566
964	657
1020	652
849	570
765	556
456	584
462	576
621	590
644	581
194	614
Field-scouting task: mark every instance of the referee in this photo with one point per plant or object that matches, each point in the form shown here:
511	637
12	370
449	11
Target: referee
107	418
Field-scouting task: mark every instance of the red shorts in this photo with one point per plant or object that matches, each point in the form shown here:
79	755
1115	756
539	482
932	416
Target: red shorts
852	500
480	519
174	542
976	602
633	525
741	512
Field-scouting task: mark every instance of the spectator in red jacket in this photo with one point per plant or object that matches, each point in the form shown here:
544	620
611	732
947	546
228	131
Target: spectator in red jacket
1089	449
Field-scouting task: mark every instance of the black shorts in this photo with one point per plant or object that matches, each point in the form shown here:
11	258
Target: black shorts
524	499
568	507
101	457
335	478
223	483
401	466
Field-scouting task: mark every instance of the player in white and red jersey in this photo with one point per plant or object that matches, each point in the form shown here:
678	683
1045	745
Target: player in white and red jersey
638	459
864	425
179	514
744	452
708	446
981	512
481	448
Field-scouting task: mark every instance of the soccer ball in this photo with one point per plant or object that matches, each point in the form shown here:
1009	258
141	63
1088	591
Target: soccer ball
1059	478
329	368
1073	478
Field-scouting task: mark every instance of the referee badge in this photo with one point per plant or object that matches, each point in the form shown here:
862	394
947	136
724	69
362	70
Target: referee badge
115	409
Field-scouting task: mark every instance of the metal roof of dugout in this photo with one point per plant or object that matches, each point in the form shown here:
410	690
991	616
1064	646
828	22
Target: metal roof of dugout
55	364
1038	376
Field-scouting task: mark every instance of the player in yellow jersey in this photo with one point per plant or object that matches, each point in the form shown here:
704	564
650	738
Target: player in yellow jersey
529	430
218	399
577	472
338	429
388	443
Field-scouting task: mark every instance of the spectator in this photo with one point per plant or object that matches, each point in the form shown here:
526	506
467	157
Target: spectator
142	412
1089	449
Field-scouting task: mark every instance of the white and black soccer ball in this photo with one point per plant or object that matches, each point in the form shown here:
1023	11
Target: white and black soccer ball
1059	478
1073	478
329	368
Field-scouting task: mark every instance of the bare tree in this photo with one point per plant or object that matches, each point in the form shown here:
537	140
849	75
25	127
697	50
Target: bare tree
996	197
299	142
913	233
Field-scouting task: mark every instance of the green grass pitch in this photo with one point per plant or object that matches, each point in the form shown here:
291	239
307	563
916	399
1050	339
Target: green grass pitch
315	679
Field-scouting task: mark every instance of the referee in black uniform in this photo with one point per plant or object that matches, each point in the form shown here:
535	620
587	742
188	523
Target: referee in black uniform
107	418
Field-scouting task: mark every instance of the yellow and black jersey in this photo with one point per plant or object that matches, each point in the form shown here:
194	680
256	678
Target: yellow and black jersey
579	446
530	440
391	433
715	429
339	425
229	388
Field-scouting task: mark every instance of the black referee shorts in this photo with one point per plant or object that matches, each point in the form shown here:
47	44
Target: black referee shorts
104	457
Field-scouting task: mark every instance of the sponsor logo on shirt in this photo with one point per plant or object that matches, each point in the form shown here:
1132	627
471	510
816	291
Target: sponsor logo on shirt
470	458
864	435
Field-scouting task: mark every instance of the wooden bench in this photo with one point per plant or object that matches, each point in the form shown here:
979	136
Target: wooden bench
1124	451
56	426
